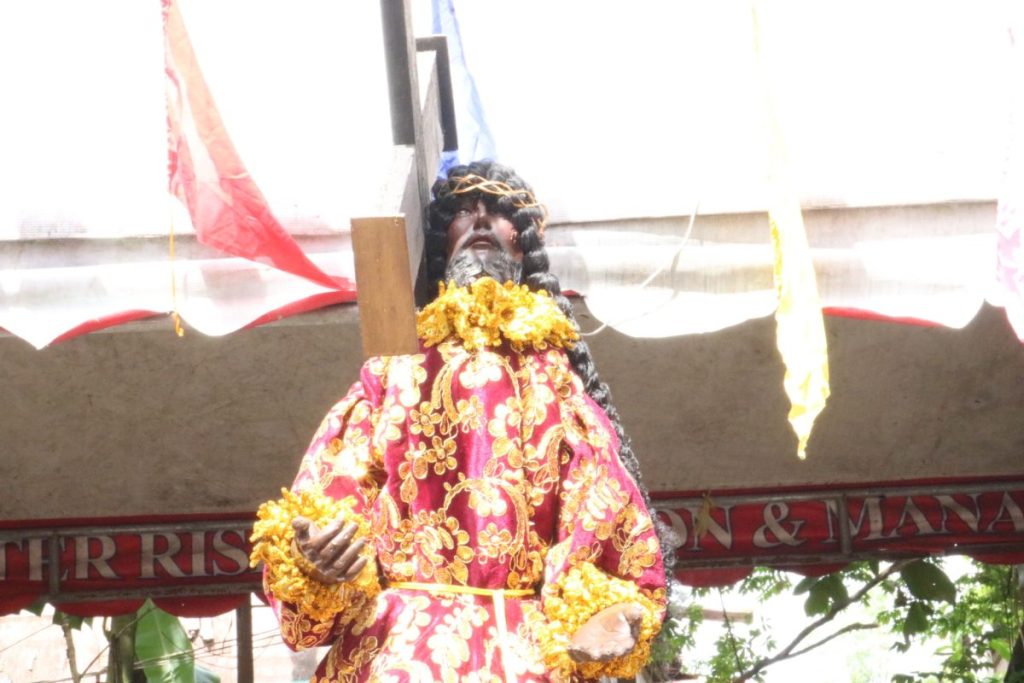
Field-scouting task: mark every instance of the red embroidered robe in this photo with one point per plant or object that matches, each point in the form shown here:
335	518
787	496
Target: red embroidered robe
491	469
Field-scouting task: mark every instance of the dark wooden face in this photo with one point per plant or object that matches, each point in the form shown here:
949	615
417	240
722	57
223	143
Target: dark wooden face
475	227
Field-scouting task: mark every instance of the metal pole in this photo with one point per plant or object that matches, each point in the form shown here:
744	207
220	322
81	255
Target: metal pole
243	629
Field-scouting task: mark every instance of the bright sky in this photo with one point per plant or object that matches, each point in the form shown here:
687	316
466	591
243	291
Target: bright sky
880	102
608	112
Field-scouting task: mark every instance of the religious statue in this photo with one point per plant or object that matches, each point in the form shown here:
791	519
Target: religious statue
472	512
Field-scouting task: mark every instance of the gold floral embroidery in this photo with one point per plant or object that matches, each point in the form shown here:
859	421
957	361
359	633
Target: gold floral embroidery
424	420
439	457
423	541
506	415
449	643
343	669
494	543
563	380
471	413
304	632
481	368
535	402
639	557
407	374
390	421
399	646
591	497
487	500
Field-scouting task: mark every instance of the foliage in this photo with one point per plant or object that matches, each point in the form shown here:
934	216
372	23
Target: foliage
978	617
164	651
60	618
980	626
677	635
734	654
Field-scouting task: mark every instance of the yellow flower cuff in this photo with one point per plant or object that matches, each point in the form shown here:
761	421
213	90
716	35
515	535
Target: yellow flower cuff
485	313
579	594
288	578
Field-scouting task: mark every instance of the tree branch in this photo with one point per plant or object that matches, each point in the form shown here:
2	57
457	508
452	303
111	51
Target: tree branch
728	626
70	644
845	629
790	650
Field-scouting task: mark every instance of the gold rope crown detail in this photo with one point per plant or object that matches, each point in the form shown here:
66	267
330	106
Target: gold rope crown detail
521	199
486	313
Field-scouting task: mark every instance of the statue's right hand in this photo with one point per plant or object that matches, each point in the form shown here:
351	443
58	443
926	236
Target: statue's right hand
331	551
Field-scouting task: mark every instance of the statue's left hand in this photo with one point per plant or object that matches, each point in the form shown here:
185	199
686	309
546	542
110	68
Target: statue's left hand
610	633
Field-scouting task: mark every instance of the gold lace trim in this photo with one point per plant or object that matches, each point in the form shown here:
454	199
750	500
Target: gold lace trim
579	594
287	576
486	313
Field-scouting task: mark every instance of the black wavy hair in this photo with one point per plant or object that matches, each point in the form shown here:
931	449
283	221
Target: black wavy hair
528	217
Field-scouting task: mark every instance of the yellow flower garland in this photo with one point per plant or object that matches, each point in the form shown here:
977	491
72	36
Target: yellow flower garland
485	313
578	595
288	577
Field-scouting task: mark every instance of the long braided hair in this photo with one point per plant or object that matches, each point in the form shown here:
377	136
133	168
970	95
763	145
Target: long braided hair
506	193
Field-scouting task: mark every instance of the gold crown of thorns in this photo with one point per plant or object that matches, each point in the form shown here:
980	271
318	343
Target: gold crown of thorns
521	199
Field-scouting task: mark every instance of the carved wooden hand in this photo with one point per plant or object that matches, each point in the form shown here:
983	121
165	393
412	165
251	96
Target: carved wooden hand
610	633
331	551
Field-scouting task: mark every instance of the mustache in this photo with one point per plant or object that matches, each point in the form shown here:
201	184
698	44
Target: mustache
484	236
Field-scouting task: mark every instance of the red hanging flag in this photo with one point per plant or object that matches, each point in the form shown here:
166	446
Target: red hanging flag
1010	213
228	210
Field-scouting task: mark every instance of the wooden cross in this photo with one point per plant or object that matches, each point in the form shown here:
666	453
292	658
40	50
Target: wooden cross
387	311
389	246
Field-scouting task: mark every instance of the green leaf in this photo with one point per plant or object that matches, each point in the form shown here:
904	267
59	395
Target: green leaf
805	585
37	607
1002	648
817	601
917	619
837	593
162	647
927	582
826	592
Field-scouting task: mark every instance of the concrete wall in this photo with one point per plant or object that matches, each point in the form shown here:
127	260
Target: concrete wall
139	422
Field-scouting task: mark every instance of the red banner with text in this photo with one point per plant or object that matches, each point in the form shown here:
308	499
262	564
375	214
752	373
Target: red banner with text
198	566
723	536
188	567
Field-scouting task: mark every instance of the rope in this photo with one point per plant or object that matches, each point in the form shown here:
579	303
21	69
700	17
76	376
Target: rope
175	316
650	278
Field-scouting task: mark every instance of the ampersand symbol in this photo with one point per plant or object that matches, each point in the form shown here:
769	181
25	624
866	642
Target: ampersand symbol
774	515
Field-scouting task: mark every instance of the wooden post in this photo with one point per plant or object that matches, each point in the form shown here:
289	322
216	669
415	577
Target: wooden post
403	84
121	656
243	634
387	312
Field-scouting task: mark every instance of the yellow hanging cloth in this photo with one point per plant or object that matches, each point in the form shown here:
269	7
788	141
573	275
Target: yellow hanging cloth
800	329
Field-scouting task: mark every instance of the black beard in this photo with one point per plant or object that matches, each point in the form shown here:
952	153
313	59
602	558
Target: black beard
469	266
